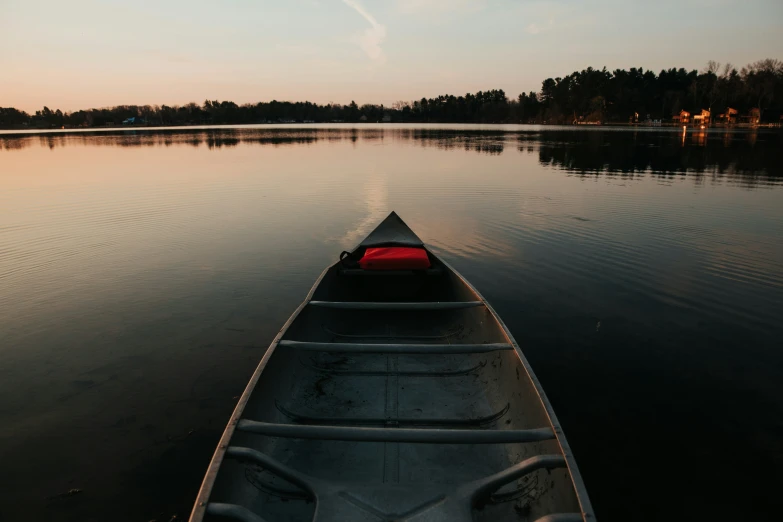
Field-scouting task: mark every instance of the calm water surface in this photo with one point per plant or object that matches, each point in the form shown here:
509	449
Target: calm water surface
143	273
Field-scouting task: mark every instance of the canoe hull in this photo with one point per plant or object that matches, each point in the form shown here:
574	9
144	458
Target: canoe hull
372	402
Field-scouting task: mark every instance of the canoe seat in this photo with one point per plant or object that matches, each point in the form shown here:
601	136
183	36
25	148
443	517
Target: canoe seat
338	500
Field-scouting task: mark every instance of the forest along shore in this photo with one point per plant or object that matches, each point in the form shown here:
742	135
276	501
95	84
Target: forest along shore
718	95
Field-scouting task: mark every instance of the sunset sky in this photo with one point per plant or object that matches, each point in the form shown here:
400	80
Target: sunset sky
93	53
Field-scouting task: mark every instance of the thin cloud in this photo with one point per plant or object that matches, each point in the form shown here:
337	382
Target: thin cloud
371	39
439	6
166	56
547	16
538	29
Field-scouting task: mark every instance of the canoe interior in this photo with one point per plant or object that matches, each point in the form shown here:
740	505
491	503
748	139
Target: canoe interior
370	481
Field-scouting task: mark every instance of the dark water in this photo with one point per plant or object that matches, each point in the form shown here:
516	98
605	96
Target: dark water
142	275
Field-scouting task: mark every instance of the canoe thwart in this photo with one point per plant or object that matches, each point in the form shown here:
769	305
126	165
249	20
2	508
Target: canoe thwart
233	512
365	434
469	422
395	348
366	305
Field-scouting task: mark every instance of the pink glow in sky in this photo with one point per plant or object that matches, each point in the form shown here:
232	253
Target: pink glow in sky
91	53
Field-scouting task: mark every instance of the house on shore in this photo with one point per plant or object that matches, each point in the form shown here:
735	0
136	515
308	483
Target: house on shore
728	117
750	119
703	118
682	117
755	116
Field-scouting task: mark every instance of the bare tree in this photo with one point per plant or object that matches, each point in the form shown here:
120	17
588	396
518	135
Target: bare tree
712	68
761	77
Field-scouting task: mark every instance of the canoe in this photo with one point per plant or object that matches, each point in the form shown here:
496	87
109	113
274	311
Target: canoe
393	395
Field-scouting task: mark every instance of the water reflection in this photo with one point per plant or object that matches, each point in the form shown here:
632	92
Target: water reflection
747	158
124	255
482	142
751	157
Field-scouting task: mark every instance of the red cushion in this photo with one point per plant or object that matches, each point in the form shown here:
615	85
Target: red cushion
395	258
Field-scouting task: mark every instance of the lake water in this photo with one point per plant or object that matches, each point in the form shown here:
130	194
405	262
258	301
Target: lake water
143	273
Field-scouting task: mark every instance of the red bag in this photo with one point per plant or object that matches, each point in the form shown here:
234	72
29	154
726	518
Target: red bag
395	258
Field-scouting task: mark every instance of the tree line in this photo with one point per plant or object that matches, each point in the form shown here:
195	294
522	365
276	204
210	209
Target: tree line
590	95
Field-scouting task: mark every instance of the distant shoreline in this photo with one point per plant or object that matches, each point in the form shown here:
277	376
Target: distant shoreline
21	131
716	96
